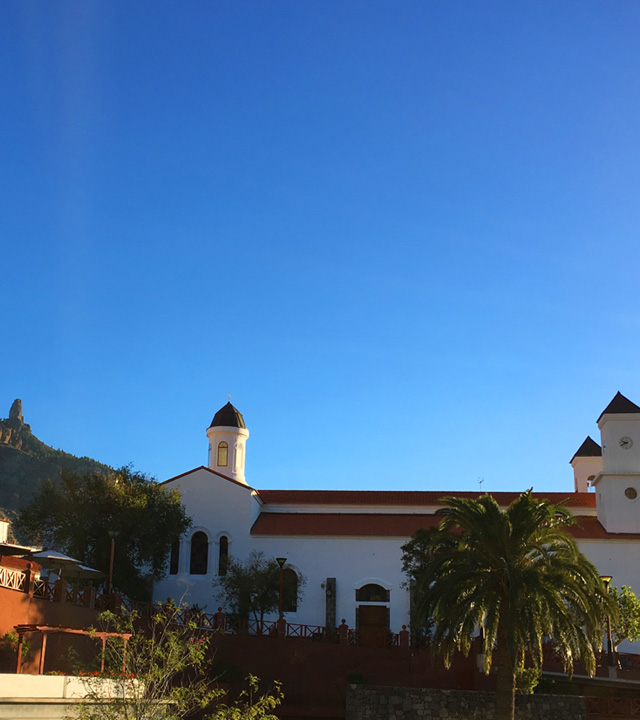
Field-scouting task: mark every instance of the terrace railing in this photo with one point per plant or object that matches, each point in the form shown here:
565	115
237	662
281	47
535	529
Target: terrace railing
601	707
628	664
13	579
43	590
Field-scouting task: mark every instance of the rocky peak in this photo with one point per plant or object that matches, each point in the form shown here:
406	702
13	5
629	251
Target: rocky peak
14	430
15	413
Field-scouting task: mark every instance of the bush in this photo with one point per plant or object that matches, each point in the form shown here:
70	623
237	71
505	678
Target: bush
355	677
527	680
224	672
9	651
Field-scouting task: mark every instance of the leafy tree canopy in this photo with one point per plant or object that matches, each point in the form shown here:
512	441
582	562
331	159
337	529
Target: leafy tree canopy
517	575
627	625
75	516
165	672
252	587
162	673
251	705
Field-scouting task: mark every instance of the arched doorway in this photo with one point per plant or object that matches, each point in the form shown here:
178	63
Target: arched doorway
372	614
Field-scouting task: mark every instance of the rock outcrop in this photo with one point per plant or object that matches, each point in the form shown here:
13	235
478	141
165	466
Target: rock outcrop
15	413
25	461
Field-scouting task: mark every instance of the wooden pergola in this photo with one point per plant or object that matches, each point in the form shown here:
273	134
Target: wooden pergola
46	630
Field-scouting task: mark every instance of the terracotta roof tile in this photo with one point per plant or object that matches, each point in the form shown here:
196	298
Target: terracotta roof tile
410	498
341	524
386	525
592	530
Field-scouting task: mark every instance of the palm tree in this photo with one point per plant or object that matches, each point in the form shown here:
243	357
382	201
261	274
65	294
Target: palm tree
517	575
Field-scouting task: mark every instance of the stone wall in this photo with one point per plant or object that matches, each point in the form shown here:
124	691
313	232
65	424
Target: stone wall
388	703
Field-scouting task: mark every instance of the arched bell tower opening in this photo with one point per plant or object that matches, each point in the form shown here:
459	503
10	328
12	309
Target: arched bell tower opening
227	436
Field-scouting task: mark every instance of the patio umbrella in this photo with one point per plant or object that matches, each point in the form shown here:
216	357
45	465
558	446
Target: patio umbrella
84	571
64	565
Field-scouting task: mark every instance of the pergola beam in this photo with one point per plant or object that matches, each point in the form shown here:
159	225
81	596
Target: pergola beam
46	630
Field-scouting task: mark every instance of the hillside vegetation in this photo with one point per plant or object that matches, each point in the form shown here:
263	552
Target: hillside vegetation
25	462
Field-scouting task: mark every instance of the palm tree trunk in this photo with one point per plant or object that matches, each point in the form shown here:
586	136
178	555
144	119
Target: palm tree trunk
505	680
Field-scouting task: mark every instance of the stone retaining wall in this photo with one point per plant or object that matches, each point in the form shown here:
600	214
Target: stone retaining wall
389	703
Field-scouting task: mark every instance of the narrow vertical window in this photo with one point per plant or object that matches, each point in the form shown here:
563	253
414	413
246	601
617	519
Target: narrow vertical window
223	555
223	454
174	559
199	554
289	590
239	456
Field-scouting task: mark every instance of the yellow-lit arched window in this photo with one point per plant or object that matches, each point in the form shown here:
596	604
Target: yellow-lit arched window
223	454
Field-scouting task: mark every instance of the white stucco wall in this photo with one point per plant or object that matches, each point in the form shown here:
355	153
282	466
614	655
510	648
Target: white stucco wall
619	559
353	562
217	507
585	470
617	512
613	428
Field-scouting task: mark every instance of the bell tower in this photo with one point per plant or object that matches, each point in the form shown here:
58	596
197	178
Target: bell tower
618	485
586	464
227	439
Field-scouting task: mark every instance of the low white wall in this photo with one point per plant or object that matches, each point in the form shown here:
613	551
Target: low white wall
14	686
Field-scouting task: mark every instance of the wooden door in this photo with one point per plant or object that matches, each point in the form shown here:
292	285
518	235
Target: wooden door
373	625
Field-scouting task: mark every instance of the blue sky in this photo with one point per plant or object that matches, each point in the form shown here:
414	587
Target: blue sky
404	236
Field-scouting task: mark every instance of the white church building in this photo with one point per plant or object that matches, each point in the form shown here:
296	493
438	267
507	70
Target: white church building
347	544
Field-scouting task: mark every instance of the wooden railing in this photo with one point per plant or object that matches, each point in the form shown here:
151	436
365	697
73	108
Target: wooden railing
43	590
13	579
628	664
604	707
23	581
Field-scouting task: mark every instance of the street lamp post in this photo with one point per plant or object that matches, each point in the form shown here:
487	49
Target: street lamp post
606	579
113	534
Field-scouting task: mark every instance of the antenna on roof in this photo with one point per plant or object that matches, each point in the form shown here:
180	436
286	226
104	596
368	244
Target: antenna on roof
480	481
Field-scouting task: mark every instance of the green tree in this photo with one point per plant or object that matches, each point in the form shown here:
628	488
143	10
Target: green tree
168	674
517	575
251	705
161	673
75	515
627	624
252	587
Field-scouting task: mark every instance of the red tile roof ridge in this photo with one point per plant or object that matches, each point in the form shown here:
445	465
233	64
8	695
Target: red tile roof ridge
408	497
390	525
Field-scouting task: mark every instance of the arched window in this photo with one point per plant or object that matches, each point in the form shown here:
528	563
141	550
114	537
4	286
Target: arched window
174	559
289	590
223	454
199	554
372	593
223	555
239	454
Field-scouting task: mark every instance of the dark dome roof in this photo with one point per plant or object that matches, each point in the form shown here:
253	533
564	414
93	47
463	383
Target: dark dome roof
589	448
619	405
228	416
